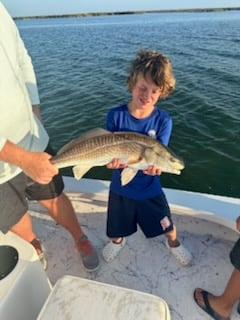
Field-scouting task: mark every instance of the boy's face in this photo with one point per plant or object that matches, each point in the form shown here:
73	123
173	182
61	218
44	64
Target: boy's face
145	93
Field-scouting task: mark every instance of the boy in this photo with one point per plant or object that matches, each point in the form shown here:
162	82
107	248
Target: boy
142	200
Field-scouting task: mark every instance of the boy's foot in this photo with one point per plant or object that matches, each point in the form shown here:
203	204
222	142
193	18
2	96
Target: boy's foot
238	308
182	255
112	250
88	254
37	246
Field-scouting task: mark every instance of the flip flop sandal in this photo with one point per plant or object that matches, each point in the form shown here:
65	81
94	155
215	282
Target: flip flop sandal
206	307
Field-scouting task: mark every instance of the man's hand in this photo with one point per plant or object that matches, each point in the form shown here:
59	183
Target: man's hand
36	165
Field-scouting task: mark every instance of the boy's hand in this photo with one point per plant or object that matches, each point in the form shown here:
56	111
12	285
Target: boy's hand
116	164
152	171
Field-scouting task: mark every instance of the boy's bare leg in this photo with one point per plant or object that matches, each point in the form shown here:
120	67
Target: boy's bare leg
172	238
177	249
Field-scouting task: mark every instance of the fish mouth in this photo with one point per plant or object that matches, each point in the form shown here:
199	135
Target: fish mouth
177	163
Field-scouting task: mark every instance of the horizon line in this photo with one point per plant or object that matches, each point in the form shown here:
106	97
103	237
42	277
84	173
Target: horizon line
71	15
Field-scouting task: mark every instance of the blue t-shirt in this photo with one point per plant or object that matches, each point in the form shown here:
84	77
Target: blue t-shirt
158	125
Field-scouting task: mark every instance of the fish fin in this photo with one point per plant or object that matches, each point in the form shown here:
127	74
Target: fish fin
94	133
127	175
86	135
79	171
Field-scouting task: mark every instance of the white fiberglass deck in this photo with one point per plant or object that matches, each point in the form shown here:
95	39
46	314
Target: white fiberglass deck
145	264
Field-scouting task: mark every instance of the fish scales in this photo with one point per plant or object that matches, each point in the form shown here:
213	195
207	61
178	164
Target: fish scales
106	147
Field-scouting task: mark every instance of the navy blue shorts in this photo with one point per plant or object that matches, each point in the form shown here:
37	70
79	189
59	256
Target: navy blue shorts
152	215
235	255
15	193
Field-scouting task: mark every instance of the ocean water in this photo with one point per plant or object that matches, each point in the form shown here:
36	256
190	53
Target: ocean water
82	64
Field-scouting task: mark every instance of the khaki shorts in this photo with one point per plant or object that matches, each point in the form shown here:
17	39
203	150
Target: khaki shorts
15	193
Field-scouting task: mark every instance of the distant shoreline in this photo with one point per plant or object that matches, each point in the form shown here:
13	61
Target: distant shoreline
90	14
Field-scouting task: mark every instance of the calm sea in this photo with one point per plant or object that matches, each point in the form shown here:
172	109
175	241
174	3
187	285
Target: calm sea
82	63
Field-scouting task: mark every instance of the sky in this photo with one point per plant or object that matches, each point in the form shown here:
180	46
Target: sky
21	8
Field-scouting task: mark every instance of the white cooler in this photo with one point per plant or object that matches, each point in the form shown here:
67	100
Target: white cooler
74	298
24	290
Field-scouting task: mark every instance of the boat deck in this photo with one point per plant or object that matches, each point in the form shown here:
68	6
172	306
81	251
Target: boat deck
144	264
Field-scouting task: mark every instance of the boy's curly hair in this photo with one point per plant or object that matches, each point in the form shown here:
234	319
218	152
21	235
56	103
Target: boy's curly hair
155	66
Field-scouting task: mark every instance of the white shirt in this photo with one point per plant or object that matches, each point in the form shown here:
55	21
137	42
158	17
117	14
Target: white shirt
18	92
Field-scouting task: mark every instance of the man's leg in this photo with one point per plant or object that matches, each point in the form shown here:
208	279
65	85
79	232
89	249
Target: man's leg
24	230
62	211
224	303
231	293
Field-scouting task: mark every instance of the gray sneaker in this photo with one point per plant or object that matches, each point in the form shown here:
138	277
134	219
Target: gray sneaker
88	254
238	308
